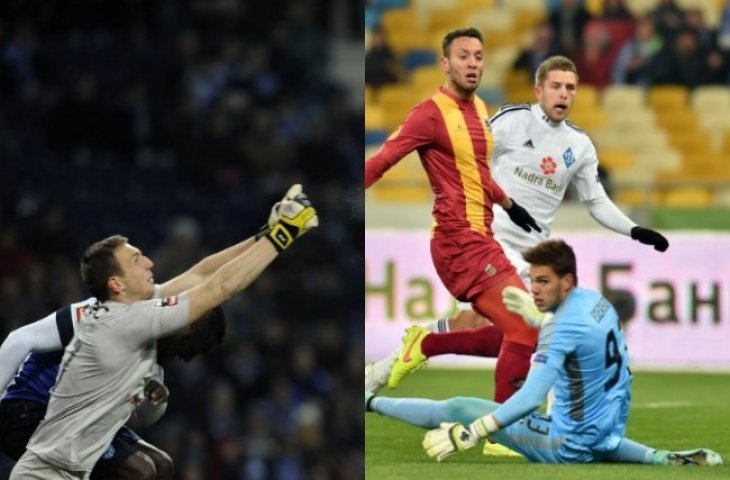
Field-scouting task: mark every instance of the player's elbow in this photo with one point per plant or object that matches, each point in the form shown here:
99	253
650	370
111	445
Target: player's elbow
20	341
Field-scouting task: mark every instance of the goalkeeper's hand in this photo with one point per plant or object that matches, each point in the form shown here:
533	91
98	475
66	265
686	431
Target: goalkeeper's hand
650	237
289	219
448	439
295	191
520	302
156	392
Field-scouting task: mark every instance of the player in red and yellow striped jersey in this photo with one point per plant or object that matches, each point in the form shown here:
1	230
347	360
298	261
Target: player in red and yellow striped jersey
451	133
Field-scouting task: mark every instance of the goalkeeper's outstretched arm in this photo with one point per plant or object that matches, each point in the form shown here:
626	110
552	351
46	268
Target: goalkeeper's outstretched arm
297	217
202	270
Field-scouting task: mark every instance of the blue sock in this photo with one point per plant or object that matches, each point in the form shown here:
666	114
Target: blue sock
629	451
420	412
426	413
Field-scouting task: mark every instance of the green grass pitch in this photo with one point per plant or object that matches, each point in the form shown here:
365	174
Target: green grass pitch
675	411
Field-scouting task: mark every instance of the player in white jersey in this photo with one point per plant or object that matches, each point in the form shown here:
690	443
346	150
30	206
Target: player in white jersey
32	355
537	154
105	367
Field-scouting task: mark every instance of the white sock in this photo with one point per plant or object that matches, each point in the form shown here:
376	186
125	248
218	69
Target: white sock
440	326
382	367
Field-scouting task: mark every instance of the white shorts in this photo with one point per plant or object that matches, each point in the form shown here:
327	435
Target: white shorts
32	467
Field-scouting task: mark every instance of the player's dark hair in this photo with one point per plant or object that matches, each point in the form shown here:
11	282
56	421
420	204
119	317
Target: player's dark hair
197	338
554	253
99	263
556	62
461	32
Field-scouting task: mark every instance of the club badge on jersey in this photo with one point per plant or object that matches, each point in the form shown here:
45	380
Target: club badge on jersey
568	157
166	302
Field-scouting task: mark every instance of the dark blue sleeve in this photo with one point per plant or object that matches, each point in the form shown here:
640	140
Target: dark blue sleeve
64	323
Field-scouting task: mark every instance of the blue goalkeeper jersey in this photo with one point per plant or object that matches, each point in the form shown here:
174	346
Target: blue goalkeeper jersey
581	352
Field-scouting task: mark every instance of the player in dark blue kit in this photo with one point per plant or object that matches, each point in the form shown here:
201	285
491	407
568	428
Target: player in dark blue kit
581	354
35	352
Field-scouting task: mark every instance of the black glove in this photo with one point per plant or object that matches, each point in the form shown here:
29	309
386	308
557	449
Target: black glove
522	218
650	237
156	392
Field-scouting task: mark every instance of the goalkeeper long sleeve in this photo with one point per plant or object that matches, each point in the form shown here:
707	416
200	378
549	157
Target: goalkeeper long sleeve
529	397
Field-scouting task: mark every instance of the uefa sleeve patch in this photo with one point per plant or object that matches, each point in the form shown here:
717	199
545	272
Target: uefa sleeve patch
540	358
166	302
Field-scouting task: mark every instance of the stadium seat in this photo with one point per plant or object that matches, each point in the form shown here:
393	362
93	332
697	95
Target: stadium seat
388	4
444	20
638	197
615	159
413	59
632	120
518	79
402	41
710	98
677	121
374	118
710	12
375	137
501	58
399	20
687	197
623	97
520	95
640	7
668	97
589	119
427	77
404	182
424	8
496	20
492	96
689	142
474	5
659	159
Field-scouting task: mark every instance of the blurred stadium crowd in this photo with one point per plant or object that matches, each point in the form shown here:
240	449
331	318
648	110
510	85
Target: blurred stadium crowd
654	75
178	124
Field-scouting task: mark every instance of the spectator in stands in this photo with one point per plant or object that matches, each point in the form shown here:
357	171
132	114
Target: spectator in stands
568	22
642	58
381	64
716	62
687	65
723	31
593	60
616	10
542	45
668	18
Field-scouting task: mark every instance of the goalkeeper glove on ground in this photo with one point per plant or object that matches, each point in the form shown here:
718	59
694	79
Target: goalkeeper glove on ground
650	237
522	218
520	302
448	439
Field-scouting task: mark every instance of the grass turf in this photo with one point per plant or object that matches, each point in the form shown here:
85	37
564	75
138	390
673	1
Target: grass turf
675	411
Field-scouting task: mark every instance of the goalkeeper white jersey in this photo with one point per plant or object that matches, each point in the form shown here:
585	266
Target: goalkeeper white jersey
102	377
534	160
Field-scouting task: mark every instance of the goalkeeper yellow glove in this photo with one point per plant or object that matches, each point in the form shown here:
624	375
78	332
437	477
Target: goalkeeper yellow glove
289	219
520	302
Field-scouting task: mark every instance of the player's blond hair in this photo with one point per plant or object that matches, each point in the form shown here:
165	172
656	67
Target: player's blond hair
556	62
